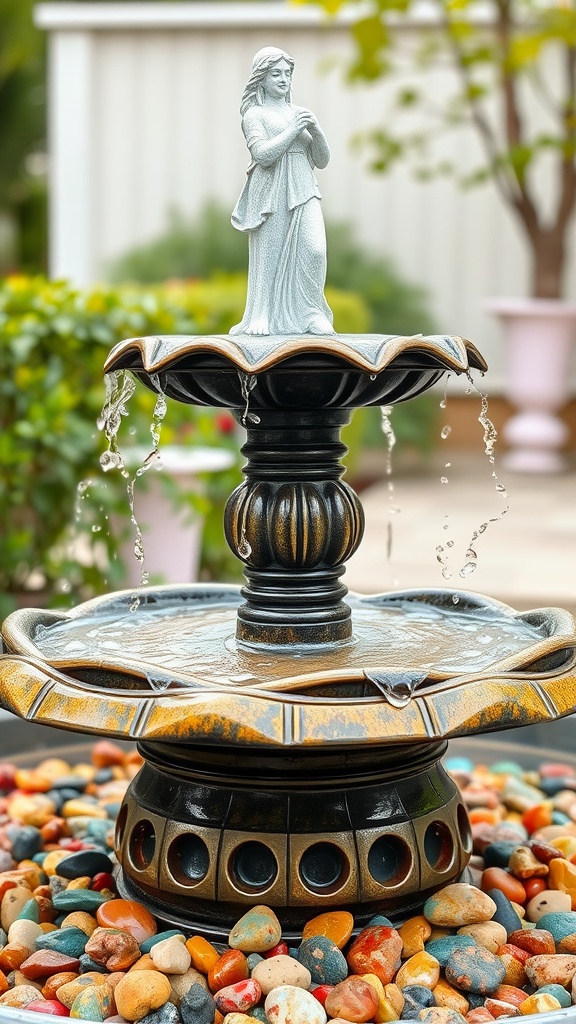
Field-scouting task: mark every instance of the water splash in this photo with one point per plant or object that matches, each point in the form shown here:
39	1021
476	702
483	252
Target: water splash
247	384
443	549
388	431
490	437
120	386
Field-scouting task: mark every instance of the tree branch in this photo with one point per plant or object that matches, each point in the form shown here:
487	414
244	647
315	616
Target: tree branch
567	198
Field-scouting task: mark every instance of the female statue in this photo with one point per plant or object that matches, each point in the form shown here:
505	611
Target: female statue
279	207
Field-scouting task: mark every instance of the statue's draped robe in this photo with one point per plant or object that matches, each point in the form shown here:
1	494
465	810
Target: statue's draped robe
279	208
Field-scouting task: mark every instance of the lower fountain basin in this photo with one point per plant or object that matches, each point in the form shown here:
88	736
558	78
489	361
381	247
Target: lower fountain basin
163	665
27	744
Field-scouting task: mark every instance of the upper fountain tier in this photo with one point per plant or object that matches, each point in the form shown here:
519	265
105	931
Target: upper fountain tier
305	372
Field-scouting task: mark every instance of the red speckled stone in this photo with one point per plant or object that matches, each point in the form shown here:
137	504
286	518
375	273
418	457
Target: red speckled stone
377	950
52	1007
238	998
228	970
128	915
45	962
535	941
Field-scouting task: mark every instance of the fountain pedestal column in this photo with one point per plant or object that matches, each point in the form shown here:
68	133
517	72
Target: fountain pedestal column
294	523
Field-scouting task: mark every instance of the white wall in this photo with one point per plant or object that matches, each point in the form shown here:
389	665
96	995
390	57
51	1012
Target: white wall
144	117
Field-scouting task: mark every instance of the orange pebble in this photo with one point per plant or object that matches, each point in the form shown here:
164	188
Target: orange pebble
498	878
12	955
538	816
203	954
509	994
486	815
32	781
231	967
128	915
105	754
336	925
563	877
145	963
55	981
3	983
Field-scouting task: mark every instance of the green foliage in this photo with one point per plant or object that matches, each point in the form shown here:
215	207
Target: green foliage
496	50
53	343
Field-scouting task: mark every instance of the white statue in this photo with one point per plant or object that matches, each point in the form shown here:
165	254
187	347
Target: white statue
279	207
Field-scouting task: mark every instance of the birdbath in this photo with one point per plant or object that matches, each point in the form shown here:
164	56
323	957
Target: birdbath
291	732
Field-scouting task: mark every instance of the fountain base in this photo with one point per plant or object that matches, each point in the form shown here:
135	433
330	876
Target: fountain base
206	833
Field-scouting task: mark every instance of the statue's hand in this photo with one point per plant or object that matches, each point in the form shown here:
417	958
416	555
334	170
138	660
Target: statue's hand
305	119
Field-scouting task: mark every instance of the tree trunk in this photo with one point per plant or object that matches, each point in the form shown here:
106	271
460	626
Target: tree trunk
549	256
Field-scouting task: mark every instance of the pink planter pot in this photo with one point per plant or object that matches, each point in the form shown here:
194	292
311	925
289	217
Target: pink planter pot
171	535
538	335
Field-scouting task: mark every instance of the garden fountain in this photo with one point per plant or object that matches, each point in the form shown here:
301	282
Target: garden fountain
292	734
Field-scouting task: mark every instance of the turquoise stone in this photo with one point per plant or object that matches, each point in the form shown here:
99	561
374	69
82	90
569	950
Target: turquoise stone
30	912
559	993
327	965
559	924
146	946
78	899
443	948
66	940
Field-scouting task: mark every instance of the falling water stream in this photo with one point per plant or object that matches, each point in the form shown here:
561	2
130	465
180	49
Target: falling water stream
120	386
388	431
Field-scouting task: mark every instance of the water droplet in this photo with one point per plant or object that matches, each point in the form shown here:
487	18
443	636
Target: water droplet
455	599
247	384
445	432
443	479
373	376
96	528
110	460
468	568
244	549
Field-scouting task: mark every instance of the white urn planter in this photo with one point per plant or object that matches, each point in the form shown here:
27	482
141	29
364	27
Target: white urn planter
171	534
538	336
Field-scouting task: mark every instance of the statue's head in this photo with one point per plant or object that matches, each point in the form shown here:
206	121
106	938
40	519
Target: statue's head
264	61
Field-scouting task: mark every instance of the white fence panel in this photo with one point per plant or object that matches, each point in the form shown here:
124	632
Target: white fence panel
144	119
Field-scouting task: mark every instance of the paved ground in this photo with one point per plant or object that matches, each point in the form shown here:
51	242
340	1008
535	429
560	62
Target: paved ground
528	558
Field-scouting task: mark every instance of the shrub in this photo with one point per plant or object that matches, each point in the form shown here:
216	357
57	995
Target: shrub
53	342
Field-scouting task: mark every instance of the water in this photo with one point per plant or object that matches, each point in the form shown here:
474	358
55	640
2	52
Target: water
191	642
120	386
442	550
490	436
247	384
388	431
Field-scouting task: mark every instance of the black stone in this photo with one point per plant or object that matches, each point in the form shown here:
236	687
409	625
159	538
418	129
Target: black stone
26	842
497	855
71	782
505	913
103	775
85	862
87	965
167	1014
197	1007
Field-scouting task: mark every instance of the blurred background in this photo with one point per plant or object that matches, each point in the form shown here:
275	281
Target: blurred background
452	183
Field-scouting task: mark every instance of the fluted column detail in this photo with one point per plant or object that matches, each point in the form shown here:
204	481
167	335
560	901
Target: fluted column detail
294	523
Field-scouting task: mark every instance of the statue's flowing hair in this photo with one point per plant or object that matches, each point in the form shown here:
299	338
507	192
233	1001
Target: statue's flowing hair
264	60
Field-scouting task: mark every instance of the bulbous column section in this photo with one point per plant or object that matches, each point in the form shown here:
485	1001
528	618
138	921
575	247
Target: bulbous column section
294	523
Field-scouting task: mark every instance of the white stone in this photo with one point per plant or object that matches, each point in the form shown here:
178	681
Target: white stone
281	970
288	1004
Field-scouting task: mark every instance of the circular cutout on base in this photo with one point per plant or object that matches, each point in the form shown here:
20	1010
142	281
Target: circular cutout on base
438	846
323	868
142	844
389	860
253	867
188	859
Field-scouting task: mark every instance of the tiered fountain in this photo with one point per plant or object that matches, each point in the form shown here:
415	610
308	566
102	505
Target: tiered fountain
292	738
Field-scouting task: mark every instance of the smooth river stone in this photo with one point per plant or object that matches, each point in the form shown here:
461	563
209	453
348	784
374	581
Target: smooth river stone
475	969
559	924
458	904
540	1002
281	970
505	913
256	932
442	1015
84	862
290	1005
25	933
79	899
171	956
558	969
414	933
336	925
443	948
376	950
66	940
140	992
197	1006
94	1004
45	962
167	1014
327	965
488	934
128	915
420	969
238	998
354	1000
